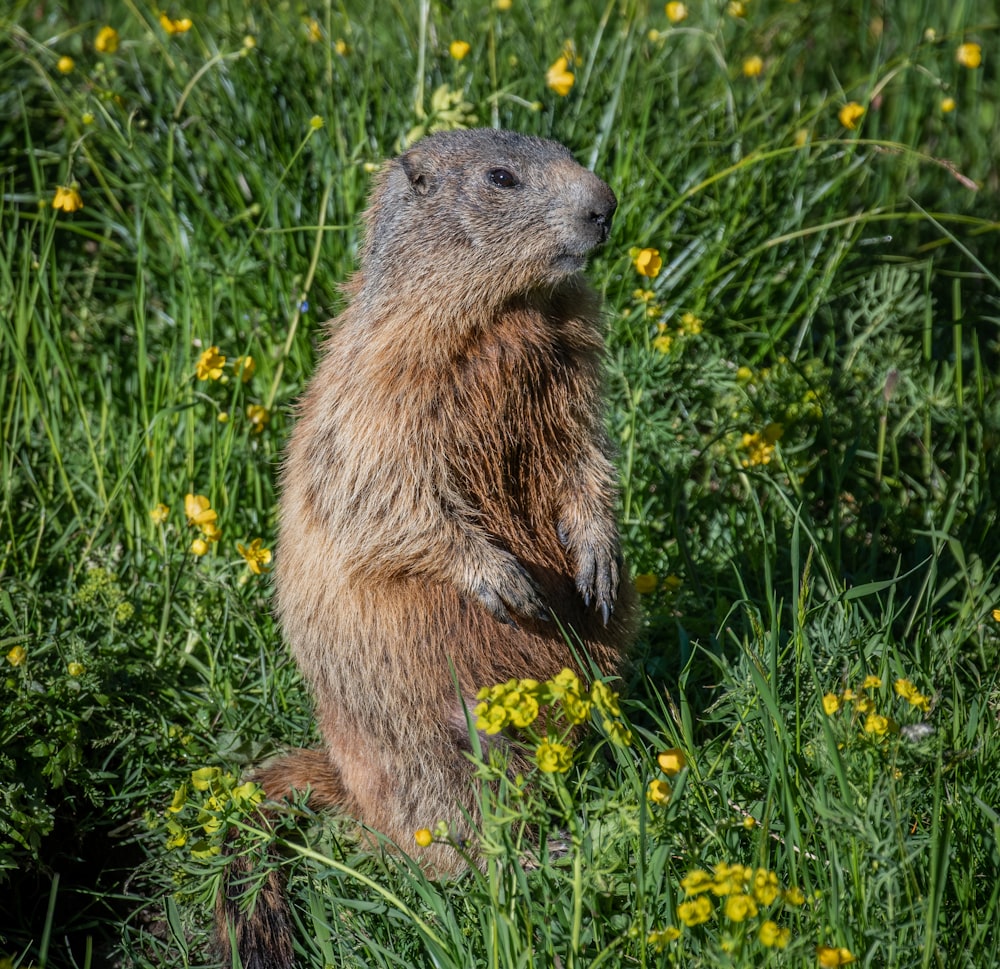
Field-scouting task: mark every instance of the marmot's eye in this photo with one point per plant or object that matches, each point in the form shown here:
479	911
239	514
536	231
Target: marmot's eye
502	178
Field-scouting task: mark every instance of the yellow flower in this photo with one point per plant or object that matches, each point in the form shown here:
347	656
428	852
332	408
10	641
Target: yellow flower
199	547
969	55
316	122
659	938
553	758
106	41
605	699
996	615
850	114
244	368
257	557
180	799
522	708
503	5
760	449
211	532
159	514
736	8
830	958
576	707
199	510
491	718
658	792
764	886
175	26
210	364
871	683
697	881
729	879
340	46
564	682
744	374
67	199
740	907
176	835
17	656
794	896
864	704
423	837
76	669
753	66
645	583
690	324
248	794
259	417
648	262
676	12
696	911
617	732
65	65
559	77
773	936
912	695
663	342
947	105
831	704
876	724
203	778
314	31
459	48
672	761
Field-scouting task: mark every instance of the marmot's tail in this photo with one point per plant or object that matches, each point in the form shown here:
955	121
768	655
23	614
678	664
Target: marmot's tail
259	929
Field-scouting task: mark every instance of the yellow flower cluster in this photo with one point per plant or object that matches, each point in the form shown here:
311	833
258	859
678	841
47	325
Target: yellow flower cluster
760	445
671	762
874	725
912	695
201	515
830	957
223	798
519	703
181	26
746	892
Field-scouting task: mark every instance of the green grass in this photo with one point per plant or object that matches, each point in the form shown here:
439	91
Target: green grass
847	288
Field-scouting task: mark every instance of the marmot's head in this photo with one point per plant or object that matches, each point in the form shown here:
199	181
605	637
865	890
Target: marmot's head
500	212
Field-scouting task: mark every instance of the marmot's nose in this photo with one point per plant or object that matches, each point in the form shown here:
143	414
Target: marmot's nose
602	208
603	222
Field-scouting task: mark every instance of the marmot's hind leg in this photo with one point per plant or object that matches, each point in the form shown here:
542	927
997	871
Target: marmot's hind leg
262	933
304	770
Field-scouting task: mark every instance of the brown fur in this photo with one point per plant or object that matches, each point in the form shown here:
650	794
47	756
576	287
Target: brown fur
447	492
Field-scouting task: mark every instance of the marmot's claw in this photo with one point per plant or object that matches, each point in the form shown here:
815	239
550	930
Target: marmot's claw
514	591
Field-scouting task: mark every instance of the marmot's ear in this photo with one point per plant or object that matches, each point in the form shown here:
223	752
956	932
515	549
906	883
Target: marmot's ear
416	165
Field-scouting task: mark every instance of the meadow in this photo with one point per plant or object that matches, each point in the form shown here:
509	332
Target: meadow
802	767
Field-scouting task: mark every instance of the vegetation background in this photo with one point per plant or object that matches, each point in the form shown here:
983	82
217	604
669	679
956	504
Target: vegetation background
804	313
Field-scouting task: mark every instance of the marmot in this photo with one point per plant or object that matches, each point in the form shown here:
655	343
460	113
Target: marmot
447	492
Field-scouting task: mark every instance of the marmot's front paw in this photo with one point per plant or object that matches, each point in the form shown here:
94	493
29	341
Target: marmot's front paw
509	588
598	569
